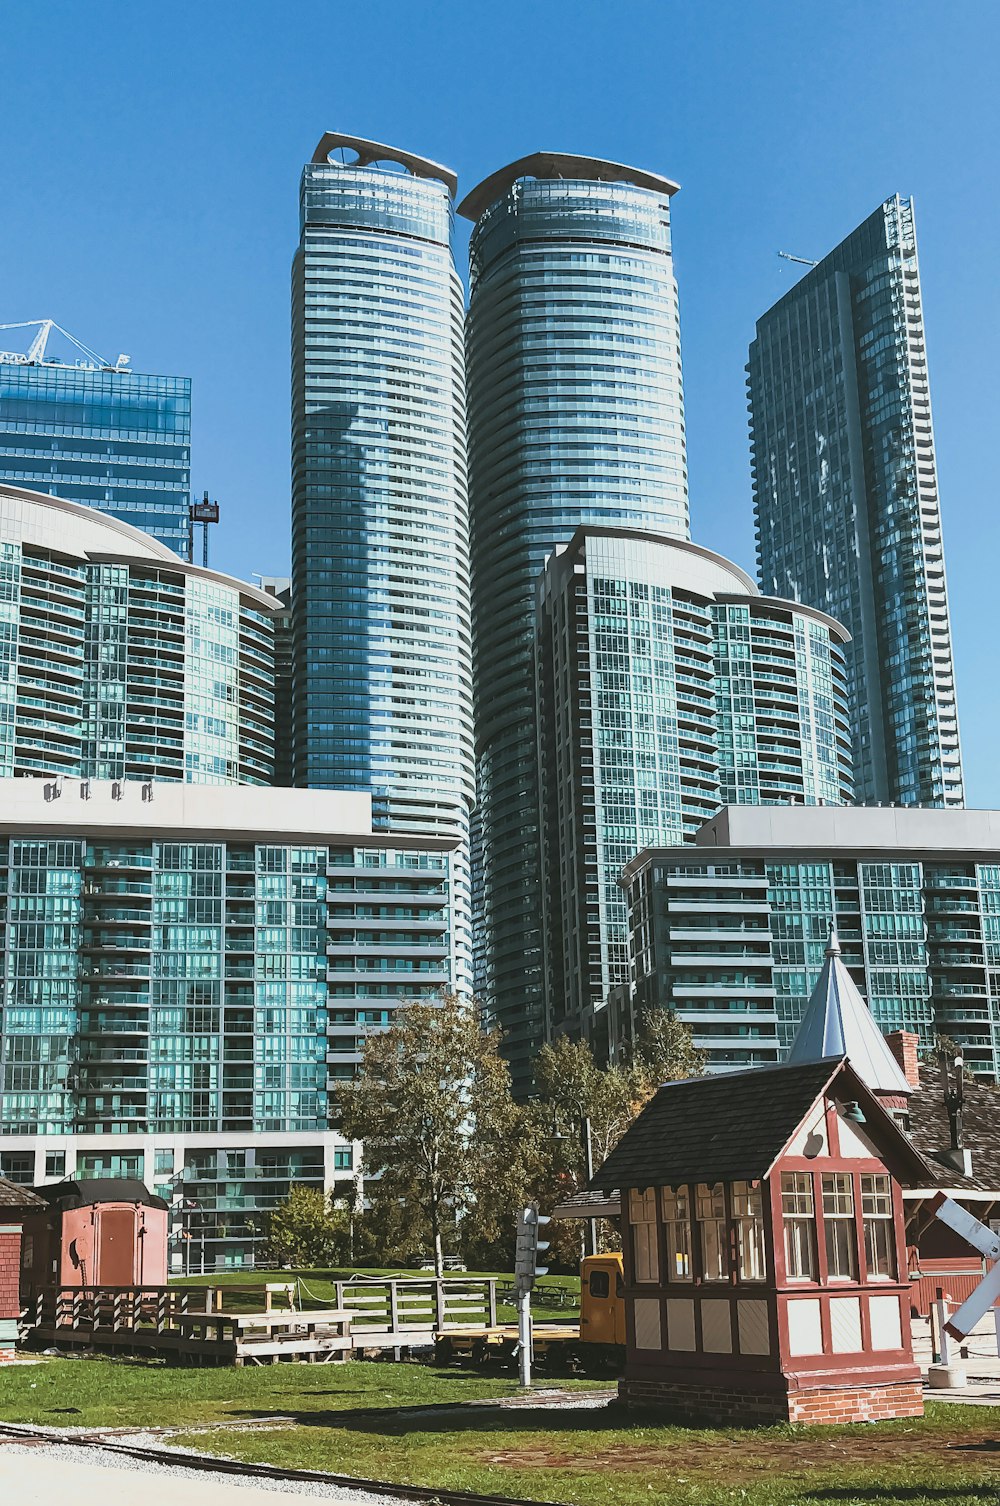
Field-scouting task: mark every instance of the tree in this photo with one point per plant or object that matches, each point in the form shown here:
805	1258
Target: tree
574	1089
303	1230
442	1135
665	1050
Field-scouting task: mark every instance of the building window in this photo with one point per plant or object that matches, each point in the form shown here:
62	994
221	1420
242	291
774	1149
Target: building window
642	1215
880	1230
711	1209
55	1163
799	1219
748	1212
343	1160
838	1225
677	1225
163	1162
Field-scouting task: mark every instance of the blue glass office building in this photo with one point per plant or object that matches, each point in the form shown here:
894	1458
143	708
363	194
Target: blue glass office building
382	692
846	498
575	416
114	440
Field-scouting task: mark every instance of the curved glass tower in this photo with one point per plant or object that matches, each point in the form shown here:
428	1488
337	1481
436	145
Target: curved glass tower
382	690
575	416
119	660
667	686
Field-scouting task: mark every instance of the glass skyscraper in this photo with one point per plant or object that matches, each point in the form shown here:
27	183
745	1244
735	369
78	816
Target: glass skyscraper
118	660
114	440
575	416
667	686
382	676
846	498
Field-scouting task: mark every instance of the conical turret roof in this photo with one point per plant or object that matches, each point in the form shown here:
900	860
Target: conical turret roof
838	1022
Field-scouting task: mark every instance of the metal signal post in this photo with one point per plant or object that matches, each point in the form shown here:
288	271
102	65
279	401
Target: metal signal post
527	1249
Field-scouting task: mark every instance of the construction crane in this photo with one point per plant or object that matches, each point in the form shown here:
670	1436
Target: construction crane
803	261
35	354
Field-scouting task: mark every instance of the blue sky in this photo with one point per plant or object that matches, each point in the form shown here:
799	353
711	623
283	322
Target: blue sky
149	173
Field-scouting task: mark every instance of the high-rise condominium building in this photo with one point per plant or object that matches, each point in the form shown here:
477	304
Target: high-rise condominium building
382	675
575	416
111	438
846	497
731	931
186	979
118	660
667	686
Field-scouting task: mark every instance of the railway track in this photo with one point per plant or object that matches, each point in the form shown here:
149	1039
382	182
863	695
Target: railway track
109	1443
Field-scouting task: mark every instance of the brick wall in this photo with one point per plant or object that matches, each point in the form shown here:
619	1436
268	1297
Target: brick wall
904	1046
10	1278
726	1404
10	1272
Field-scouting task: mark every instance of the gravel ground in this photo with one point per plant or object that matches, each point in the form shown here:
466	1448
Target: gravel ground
105	1458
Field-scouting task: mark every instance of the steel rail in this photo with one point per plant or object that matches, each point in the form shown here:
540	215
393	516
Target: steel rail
15	1433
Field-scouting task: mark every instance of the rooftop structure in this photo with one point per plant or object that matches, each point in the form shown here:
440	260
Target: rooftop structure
838	1022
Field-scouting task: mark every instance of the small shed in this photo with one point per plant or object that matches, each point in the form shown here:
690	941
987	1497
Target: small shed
104	1231
764	1249
16	1204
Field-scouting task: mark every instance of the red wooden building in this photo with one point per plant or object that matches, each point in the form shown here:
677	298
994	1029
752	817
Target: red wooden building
764	1248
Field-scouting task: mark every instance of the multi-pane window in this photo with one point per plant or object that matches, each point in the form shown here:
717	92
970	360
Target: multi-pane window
880	1233
642	1215
798	1218
838	1224
749	1215
711	1210
677	1228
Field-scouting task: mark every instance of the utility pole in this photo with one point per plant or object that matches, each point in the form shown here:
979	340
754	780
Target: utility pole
590	1226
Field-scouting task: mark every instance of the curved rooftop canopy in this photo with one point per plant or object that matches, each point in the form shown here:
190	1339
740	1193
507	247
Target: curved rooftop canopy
664	545
559	165
370	153
838	1022
51	522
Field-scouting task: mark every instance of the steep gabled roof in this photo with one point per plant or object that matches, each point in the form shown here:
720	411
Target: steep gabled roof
838	1022
14	1196
733	1127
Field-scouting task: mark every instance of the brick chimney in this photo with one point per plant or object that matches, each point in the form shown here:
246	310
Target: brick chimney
903	1045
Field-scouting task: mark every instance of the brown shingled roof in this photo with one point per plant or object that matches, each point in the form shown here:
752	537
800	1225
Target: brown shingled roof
930	1130
13	1196
732	1127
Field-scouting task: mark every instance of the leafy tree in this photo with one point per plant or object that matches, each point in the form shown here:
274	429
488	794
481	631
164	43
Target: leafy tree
442	1135
575	1090
304	1231
665	1050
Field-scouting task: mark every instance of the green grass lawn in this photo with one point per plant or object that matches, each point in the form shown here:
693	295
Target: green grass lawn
318	1290
344	1423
